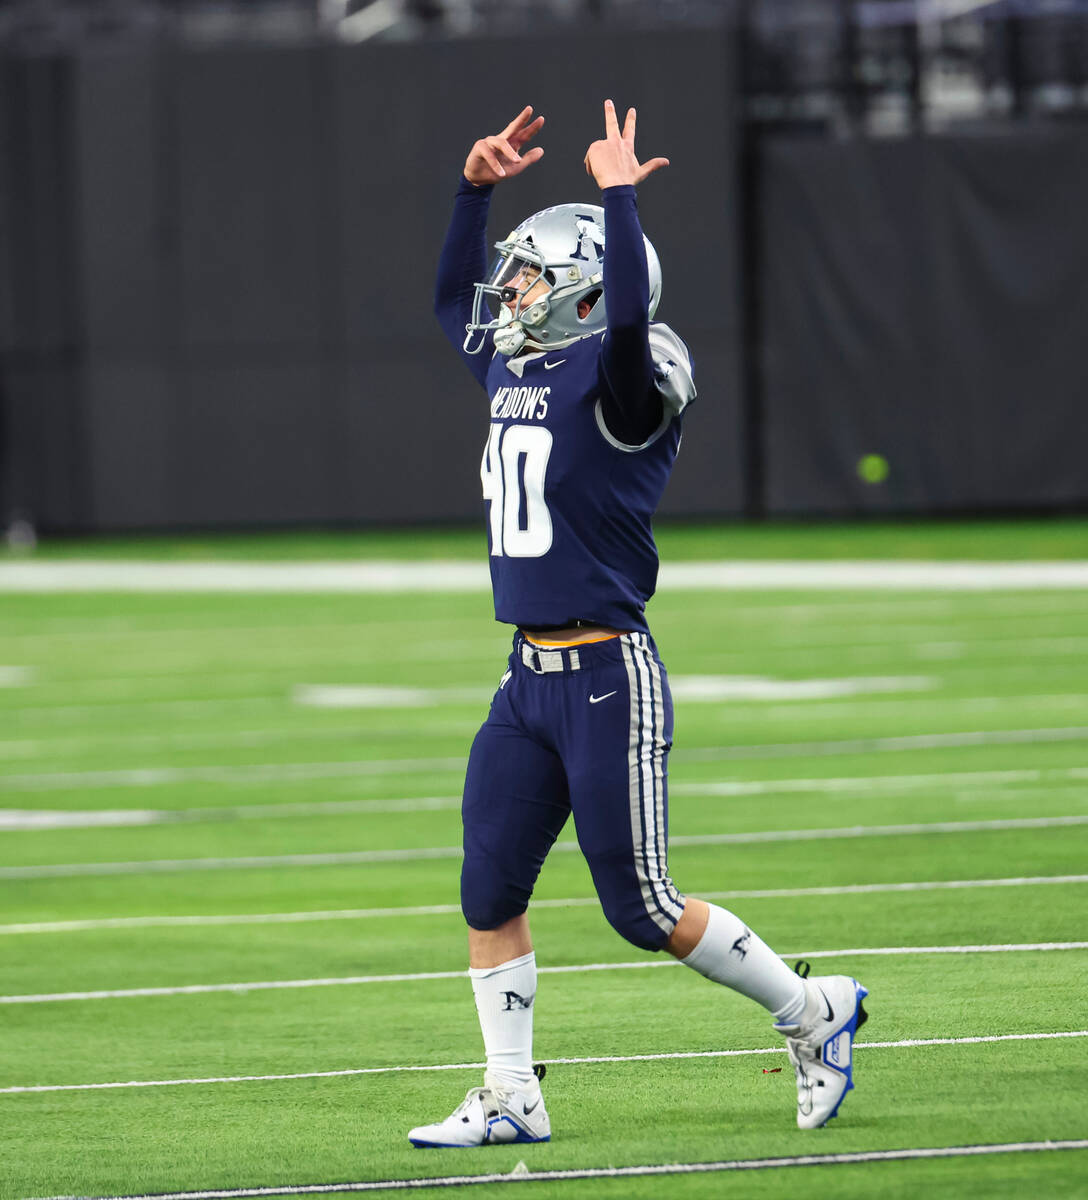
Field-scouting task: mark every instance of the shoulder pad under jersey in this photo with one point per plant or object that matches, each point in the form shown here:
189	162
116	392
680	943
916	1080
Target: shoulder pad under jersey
672	369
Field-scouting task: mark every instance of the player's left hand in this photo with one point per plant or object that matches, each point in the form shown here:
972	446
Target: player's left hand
612	161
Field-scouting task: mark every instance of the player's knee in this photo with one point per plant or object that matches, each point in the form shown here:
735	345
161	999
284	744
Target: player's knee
486	906
633	923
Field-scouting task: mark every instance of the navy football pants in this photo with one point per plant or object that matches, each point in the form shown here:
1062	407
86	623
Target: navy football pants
583	730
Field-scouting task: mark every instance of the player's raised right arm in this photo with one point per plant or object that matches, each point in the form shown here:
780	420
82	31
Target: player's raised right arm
463	261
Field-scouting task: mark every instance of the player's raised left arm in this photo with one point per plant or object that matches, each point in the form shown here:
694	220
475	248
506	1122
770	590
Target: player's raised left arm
630	401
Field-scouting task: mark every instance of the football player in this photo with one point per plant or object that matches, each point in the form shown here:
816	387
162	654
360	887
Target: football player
587	395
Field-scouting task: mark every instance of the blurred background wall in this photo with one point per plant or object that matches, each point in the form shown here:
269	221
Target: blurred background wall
219	224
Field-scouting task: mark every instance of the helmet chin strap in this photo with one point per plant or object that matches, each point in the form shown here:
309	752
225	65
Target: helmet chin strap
510	336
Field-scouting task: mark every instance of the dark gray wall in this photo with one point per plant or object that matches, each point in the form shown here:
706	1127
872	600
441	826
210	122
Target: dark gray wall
927	301
240	261
216	272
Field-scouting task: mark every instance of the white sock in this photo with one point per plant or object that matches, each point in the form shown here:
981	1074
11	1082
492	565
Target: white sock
504	1004
731	954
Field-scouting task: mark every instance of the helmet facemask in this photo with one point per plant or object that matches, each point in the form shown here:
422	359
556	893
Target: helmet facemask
515	273
535	252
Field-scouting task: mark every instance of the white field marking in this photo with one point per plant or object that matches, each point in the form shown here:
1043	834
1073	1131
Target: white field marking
113	708
877	783
158	671
266	735
301	772
522	1174
430	910
890	745
267	985
52	818
12	677
26	747
13	819
938	609
906	1044
693	689
346	857
283	577
906	706
132	626
29	748
262	773
379	576
708	689
335	696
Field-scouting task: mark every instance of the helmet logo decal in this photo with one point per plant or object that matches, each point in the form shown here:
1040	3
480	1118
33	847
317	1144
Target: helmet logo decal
590	237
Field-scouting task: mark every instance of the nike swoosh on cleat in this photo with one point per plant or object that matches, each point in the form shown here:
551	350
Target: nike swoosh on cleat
548	365
527	1109
830	1011
598	699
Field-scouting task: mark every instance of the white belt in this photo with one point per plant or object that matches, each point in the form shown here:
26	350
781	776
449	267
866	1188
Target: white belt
546	661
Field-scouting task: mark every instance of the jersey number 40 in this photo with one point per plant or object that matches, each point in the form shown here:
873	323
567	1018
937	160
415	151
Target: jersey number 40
512	471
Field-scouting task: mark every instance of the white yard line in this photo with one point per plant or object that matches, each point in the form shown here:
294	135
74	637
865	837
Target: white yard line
379	576
359	857
263	773
266	773
689	689
56	747
907	1044
521	1173
429	910
879	783
13	819
890	745
292	772
200	989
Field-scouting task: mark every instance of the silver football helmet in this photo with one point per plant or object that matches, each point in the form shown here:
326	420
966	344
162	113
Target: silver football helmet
564	247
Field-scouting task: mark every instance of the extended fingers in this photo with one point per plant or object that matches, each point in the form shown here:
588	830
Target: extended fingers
629	127
611	125
520	136
518	121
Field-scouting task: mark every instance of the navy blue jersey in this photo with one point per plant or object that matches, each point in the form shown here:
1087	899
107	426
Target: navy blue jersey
569	503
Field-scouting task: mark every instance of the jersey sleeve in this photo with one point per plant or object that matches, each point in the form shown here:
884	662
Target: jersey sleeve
462	264
646	373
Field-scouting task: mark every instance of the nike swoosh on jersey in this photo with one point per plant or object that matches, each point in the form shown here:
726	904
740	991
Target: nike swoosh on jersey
598	699
548	365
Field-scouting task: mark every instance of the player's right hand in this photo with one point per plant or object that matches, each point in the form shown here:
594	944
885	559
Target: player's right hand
499	156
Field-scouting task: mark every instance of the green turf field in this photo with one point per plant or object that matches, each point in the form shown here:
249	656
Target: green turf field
187	800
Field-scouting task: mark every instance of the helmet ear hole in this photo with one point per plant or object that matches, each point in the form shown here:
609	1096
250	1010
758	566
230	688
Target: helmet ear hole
588	303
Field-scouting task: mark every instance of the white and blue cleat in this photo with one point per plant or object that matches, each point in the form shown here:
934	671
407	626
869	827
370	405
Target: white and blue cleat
820	1046
490	1116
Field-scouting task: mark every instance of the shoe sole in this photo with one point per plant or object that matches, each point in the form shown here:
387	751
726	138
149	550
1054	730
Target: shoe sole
859	1017
521	1140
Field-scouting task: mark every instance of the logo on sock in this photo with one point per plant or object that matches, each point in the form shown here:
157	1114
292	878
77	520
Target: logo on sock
740	946
514	1001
